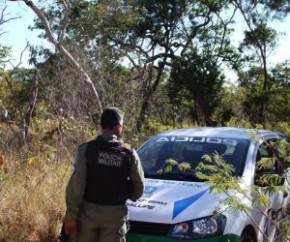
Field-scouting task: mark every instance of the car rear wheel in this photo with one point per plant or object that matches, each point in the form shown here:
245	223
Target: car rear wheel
248	236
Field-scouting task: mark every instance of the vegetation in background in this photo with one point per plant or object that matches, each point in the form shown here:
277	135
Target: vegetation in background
162	62
33	177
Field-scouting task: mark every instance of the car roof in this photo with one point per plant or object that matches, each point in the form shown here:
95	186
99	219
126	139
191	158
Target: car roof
222	132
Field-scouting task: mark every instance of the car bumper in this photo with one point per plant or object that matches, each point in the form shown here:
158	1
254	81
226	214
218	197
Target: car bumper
131	237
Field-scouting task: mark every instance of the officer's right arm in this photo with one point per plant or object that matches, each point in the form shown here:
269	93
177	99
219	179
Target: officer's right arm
76	186
137	177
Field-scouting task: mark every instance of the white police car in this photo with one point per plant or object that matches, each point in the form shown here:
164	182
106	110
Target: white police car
177	206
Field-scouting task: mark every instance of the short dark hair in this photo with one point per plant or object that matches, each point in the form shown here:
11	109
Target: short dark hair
111	116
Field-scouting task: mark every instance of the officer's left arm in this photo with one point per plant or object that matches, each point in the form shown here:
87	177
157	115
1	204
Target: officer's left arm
137	177
76	186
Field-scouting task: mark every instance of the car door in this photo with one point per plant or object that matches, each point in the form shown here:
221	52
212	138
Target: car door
267	165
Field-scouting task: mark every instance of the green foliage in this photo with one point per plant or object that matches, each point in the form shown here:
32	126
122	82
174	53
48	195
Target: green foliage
218	174
196	83
172	50
109	36
284	227
258	42
152	126
283	127
281	7
4	53
172	164
245	102
15	86
33	178
261	35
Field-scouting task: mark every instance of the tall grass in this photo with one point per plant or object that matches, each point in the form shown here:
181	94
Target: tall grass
33	180
32	202
33	177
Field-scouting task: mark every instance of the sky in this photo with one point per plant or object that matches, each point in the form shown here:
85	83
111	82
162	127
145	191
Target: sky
16	34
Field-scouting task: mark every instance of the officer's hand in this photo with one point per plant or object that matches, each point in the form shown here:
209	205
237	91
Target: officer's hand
70	226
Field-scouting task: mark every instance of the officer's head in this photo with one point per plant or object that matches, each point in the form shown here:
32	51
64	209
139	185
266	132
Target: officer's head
112	119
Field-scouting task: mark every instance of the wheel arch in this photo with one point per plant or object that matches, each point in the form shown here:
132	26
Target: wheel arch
250	230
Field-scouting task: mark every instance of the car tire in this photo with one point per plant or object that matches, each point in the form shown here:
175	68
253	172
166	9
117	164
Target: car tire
247	236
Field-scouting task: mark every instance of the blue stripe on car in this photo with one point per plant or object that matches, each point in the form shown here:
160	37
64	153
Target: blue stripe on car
181	205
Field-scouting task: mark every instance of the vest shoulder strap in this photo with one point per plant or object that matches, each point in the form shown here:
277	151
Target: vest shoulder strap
99	143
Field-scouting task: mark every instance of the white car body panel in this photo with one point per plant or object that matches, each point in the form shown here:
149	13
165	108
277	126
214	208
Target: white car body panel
171	201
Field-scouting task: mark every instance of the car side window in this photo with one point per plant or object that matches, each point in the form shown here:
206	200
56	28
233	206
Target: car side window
266	163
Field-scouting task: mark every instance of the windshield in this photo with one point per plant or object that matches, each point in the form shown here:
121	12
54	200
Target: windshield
157	152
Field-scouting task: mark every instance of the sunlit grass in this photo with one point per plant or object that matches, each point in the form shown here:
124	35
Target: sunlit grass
32	185
32	202
33	178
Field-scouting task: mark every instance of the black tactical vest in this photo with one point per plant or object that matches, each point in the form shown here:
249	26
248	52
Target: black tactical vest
108	167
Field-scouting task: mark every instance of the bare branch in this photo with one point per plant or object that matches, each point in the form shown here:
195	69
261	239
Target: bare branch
64	51
64	22
21	54
4	18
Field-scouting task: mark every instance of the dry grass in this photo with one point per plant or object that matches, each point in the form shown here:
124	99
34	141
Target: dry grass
32	183
33	178
32	202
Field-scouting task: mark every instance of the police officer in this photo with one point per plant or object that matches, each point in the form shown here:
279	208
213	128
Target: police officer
107	172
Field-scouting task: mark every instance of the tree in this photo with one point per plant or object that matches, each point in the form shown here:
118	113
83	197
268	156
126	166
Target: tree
149	35
167	30
135	44
4	50
9	80
198	81
82	27
279	106
230	107
20	92
281	7
261	39
61	48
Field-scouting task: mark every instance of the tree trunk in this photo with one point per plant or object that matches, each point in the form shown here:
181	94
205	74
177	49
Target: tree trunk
65	52
144	108
148	95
